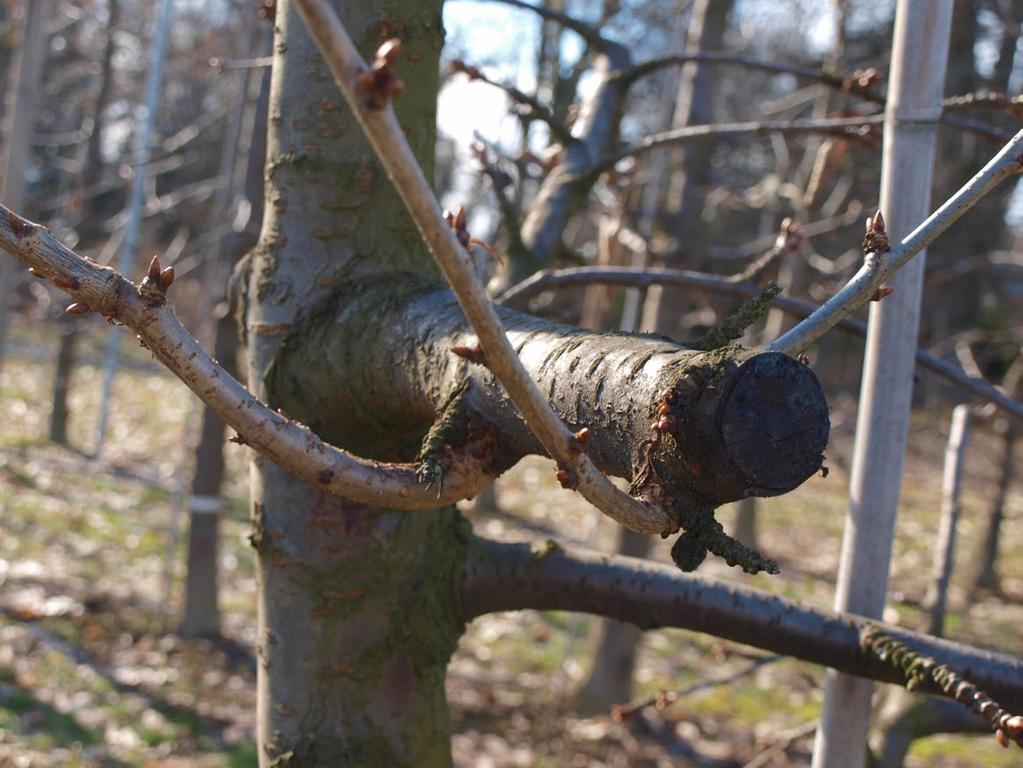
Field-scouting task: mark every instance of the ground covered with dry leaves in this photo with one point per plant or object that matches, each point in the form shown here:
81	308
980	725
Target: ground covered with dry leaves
91	568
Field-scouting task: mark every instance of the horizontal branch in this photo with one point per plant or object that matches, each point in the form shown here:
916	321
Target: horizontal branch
880	265
642	277
506	577
296	448
857	83
999	102
388	140
849	127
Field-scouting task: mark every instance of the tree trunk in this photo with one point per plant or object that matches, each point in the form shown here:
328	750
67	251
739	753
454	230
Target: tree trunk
986	579
358	613
936	600
201	611
26	78
920	50
62	371
88	234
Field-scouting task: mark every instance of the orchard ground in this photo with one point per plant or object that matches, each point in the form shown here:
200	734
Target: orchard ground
91	673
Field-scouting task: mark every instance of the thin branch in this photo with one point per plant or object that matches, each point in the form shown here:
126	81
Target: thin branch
858	82
587	32
783	742
642	277
848	127
295	447
505	577
662	699
500	181
534	108
576	470
985	100
879	264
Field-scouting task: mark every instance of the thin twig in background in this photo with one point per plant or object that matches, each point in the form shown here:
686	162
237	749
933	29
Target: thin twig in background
879	263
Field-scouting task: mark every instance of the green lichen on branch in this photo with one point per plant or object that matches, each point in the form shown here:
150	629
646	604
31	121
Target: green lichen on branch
450	428
703	533
734	326
925	673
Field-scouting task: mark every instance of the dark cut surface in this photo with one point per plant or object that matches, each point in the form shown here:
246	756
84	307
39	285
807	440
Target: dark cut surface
774	406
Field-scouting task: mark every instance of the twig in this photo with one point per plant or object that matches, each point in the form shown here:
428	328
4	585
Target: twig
859	82
783	742
763	270
662	699
294	446
500	181
985	100
643	278
848	127
587	32
880	264
535	109
926	673
575	469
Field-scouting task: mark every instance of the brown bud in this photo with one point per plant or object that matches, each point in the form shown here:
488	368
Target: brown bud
881	292
67	283
154	270
395	87
166	278
472	354
580	440
567	478
389	51
77	308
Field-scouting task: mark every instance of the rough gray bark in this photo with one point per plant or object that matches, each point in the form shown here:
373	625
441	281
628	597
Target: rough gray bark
612	384
357	606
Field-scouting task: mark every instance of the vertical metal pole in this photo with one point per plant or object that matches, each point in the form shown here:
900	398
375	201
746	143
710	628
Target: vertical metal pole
136	202
917	77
